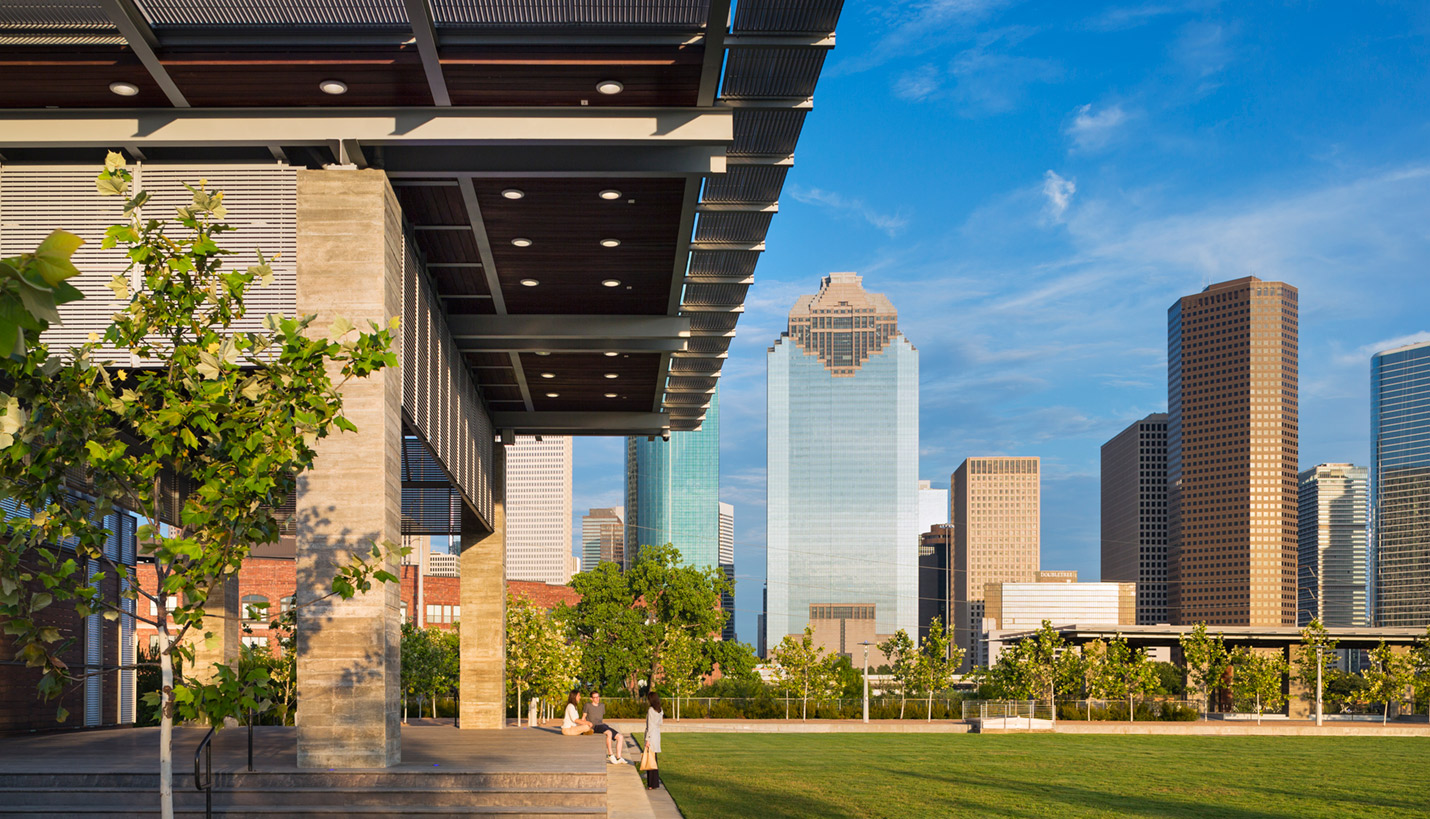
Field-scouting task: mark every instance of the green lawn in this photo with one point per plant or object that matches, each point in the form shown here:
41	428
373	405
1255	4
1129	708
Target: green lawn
942	775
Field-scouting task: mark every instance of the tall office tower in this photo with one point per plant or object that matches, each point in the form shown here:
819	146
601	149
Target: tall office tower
1134	514
1332	559
934	582
842	462
1232	455
538	508
1400	485
673	492
933	506
603	538
727	565
995	508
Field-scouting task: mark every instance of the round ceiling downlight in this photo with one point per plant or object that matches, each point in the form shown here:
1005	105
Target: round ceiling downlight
609	194
334	87
124	89
609	87
610	243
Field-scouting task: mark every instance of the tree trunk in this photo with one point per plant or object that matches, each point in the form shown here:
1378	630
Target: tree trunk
1258	708
903	700
518	707
1131	715
1385	715
434	706
166	717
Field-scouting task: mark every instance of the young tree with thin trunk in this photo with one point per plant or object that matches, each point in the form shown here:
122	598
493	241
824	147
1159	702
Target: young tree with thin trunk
1094	673
804	668
1257	679
1129	673
1387	678
1317	658
903	659
1207	662
938	660
235	413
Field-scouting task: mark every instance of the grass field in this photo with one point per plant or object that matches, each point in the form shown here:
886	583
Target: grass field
942	775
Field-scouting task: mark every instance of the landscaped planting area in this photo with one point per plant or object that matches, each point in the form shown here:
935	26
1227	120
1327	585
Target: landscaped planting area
1039	775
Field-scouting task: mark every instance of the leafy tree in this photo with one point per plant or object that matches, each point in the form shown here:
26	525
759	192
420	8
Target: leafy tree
1128	673
610	627
903	659
235	413
419	665
848	680
1317	658
803	668
1170	680
680	669
1386	678
1096	679
1256	678
539	658
1207	662
938	660
1420	662
736	660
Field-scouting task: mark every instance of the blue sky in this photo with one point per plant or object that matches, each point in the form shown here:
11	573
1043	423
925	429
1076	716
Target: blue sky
1033	184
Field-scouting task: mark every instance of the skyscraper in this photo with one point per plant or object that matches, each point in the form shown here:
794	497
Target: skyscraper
603	538
538	508
1134	514
996	503
934	581
842	461
673	492
933	506
1400	484
1232	455
1332	560
727	565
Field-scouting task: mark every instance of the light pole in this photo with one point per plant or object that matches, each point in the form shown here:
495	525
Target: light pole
866	645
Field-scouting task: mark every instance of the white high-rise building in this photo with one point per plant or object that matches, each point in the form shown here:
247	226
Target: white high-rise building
933	506
603	534
727	534
538	508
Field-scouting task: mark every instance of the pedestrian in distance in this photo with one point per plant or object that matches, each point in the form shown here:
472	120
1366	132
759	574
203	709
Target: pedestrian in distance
653	720
595	715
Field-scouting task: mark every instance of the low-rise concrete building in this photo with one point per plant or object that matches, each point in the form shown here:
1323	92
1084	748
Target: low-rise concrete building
1020	607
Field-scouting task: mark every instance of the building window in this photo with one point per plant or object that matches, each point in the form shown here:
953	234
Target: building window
255	607
285	604
255	642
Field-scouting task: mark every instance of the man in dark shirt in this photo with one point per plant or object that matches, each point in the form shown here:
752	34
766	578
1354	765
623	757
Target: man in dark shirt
596	713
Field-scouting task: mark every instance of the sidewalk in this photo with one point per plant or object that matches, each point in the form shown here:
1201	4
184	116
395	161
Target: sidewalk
626	796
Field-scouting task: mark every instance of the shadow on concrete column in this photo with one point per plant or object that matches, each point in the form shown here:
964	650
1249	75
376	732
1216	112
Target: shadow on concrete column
483	598
350	265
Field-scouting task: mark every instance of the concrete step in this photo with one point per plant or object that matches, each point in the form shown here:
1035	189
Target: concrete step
352	780
352	797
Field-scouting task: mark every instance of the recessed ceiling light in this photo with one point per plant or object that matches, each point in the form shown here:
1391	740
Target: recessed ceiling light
333	87
529	282
610	242
610	87
612	354
124	89
613	375
513	193
610	395
553	394
610	193
521	242
611	282
542	352
548	375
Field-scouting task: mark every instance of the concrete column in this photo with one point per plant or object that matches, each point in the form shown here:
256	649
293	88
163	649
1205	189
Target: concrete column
349	265
483	622
222	618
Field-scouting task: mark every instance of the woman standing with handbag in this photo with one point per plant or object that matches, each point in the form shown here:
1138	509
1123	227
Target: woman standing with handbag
653	720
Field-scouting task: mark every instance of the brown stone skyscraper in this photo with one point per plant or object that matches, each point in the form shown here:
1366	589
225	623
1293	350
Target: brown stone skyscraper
994	506
1232	454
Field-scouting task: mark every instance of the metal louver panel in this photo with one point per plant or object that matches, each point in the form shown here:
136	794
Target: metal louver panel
723	264
261	202
761	131
693	399
654	13
759	73
444	406
47	15
677	383
713	323
249	13
787	16
733	227
708	345
128	547
93	660
747	183
714	295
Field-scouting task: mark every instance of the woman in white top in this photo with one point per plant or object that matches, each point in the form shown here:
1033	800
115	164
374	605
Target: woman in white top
572	724
653	720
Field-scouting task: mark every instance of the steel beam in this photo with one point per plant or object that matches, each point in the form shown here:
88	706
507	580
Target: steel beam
140	37
746	39
507	128
560	160
717	26
583	423
425	34
579	333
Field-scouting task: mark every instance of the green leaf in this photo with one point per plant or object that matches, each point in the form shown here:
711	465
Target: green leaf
61	714
110	184
113	161
340	327
120	285
40	304
40	601
52	257
208	365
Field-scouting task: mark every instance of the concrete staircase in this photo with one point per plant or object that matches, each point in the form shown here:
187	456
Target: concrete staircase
367	794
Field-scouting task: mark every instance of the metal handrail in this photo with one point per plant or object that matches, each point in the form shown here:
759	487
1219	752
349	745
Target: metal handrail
206	783
250	740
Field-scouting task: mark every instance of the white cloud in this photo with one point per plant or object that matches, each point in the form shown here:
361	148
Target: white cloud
1059	192
913	27
1092	130
1361	355
889	223
919	84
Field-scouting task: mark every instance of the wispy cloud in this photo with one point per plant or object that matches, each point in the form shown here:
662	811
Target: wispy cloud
1119	18
1361	355
1092	130
889	223
914	27
1058	192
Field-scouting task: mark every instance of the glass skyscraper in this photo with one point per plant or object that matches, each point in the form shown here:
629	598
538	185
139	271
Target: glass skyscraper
673	492
1400	485
842	463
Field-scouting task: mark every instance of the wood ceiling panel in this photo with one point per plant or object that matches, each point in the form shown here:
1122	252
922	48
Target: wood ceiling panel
459	281
565	76
579	380
469	307
566	219
374	76
35	77
450	246
433	204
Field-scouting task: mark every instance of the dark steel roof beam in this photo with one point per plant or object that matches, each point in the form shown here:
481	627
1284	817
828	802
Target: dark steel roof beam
141	39
419	14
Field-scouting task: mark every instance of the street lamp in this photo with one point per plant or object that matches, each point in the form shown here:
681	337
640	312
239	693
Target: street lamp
866	645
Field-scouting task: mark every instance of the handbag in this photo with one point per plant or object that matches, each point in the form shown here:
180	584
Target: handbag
647	759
